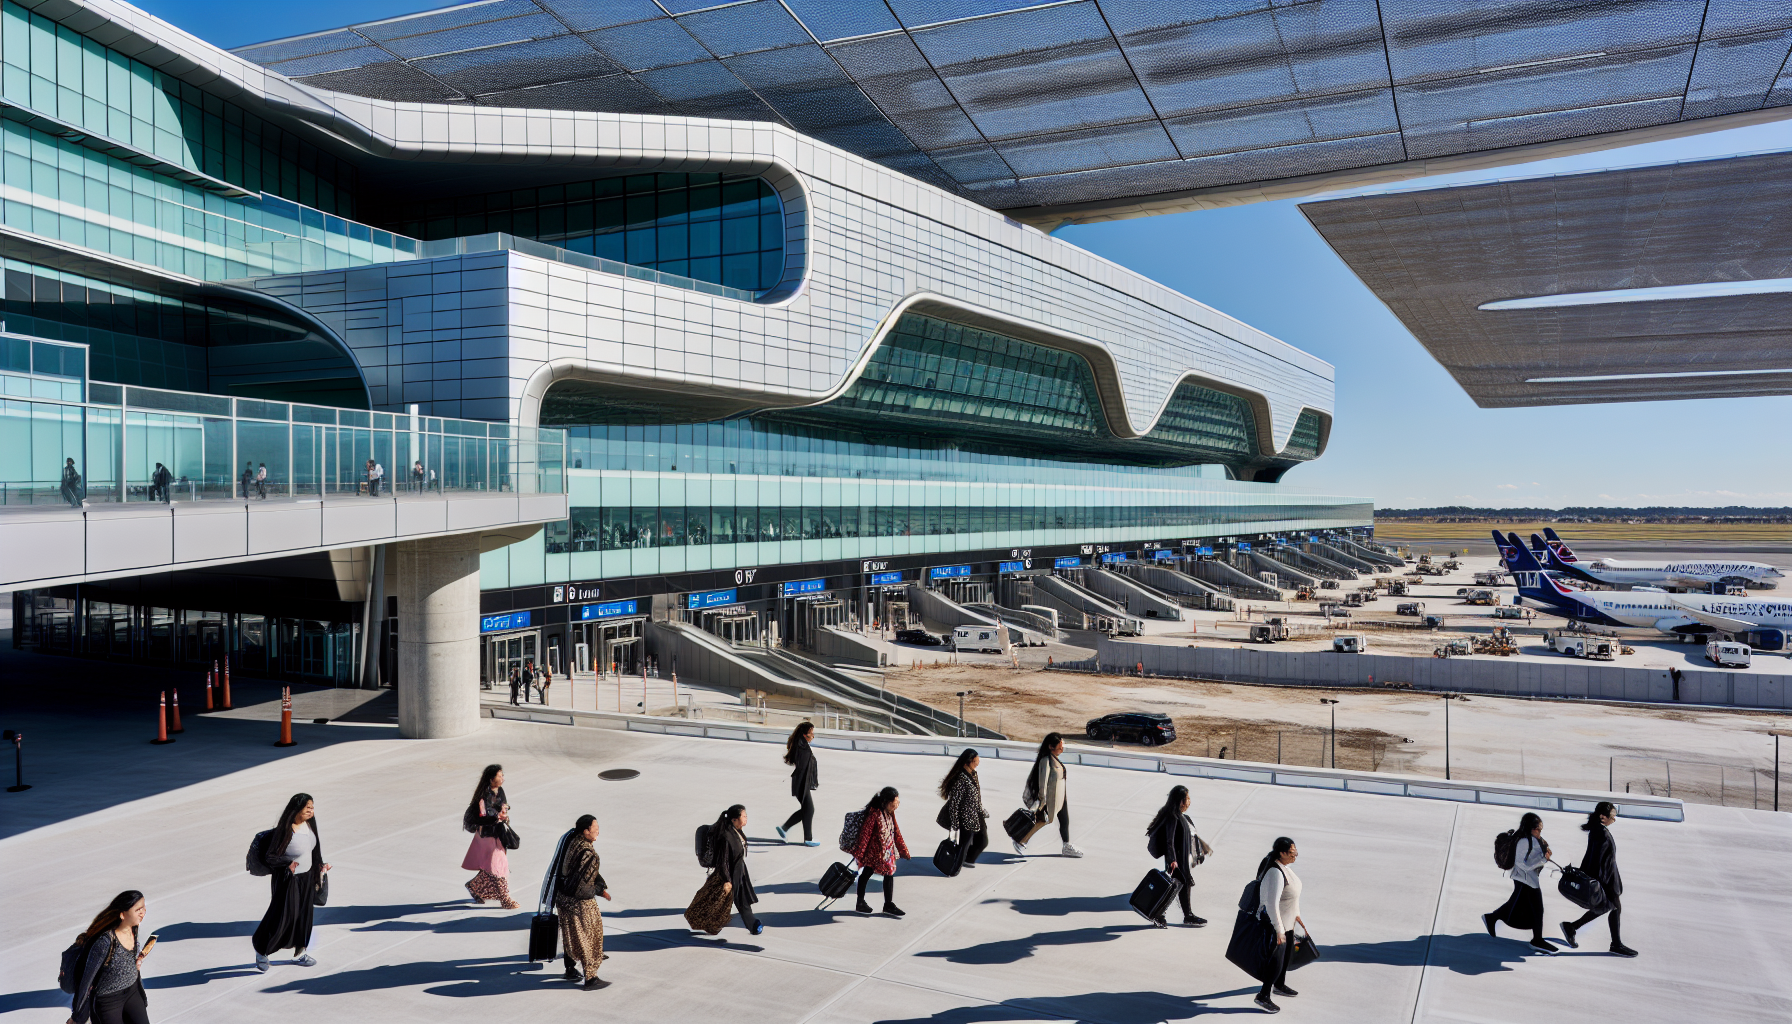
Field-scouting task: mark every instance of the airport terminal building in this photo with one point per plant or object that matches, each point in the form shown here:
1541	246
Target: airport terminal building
734	374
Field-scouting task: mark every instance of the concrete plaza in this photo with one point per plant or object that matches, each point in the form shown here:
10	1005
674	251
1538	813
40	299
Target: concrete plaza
1394	890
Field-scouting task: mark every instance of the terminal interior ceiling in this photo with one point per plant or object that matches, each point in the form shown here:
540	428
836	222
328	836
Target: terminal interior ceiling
1091	108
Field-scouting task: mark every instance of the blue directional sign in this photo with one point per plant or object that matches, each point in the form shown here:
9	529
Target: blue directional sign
498	623
1161	555
1204	550
1066	562
802	587
1114	556
1012	567
712	598
880	578
1244	545
607	610
946	572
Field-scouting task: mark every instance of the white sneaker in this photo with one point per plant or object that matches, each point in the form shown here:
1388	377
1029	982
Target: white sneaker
1020	849
261	963
306	961
1071	851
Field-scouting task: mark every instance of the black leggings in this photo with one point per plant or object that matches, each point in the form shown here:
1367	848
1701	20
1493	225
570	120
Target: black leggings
1064	822
1612	921
889	885
1279	960
747	920
804	814
127	1007
976	842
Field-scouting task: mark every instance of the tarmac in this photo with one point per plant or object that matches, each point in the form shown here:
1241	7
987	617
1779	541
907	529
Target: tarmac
1393	890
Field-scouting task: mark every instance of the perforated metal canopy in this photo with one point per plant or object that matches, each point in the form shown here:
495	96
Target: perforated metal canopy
1625	285
1088	109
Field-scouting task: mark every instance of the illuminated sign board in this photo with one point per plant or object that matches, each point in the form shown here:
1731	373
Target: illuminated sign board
946	572
802	587
1244	545
1160	555
1204	550
1012	567
607	610
1114	556
1066	562
878	578
512	620
712	598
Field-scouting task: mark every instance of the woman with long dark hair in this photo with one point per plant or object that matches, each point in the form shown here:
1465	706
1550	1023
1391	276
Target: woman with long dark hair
109	989
804	779
878	846
1524	908
1601	861
728	843
1173	835
1278	892
1046	794
294	854
487	814
963	793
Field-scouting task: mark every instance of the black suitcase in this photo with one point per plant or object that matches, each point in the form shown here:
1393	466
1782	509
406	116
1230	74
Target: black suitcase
1021	825
544	936
836	881
1154	894
949	857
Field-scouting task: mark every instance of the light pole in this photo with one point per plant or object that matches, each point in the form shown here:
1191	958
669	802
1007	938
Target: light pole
1776	734
1334	738
961	696
1448	697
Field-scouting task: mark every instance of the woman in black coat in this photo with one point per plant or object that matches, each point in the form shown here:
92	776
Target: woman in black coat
294	855
729	845
804	780
1601	862
1172	833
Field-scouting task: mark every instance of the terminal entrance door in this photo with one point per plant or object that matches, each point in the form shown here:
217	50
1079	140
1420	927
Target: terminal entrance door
968	591
813	616
615	647
733	623
507	651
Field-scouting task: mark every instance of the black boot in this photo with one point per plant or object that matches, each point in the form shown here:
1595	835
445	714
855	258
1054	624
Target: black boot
864	906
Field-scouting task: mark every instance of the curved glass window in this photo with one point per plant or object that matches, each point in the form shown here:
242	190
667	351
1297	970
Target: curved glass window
1304	442
1207	419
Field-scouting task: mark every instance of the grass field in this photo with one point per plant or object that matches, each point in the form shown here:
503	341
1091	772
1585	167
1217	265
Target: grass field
1416	531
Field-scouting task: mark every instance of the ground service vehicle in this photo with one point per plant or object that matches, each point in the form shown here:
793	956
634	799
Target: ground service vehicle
1349	643
1510	611
1482	597
1595	648
978	638
1148	727
918	637
1410	608
1728	654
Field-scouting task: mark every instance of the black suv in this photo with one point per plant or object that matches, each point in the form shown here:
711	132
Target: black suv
918	637
1148	727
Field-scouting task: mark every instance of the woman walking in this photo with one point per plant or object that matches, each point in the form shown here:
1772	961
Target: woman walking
1278	889
296	856
109	989
1601	861
1524	908
1045	792
1173	834
576	890
487	816
804	780
878	846
729	845
963	793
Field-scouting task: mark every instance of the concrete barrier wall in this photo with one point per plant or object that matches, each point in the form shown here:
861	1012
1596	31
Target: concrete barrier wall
835	643
1569	678
1136	598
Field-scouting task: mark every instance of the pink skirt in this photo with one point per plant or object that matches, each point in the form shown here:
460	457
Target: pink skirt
487	854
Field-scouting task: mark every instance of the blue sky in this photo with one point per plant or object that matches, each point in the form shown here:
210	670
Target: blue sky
1405	434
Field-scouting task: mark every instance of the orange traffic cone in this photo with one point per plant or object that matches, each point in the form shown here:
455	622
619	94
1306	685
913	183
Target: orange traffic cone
208	690
176	727
226	681
162	722
285	718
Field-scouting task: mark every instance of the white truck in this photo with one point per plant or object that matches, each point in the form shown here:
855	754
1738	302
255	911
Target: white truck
1728	654
1577	645
1349	643
979	638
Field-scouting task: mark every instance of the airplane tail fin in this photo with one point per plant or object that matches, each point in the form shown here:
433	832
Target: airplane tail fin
1532	581
1558	548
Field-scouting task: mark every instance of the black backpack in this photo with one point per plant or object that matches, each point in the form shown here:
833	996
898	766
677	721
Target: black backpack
1505	849
1154	844
706	851
1250	901
254	862
74	964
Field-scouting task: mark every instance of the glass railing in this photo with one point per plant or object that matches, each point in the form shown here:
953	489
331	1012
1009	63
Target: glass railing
128	444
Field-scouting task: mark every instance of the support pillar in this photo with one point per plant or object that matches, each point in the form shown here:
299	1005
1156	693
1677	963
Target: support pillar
438	637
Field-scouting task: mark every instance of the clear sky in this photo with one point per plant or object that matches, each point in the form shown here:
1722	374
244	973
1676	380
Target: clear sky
1405	434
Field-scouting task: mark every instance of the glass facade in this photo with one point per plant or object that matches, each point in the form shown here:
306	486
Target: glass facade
724	229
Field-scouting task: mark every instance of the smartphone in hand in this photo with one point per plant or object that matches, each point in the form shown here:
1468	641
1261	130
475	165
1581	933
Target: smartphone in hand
148	944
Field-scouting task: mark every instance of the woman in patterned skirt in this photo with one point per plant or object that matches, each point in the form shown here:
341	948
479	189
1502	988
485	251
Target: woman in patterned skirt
576	890
485	854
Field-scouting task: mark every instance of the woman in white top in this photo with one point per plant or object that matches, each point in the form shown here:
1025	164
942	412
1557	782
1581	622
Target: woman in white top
1524	908
1278	889
294	856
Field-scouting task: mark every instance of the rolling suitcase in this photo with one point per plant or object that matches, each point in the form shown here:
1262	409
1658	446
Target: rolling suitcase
835	882
949	857
1154	894
1021	825
544	936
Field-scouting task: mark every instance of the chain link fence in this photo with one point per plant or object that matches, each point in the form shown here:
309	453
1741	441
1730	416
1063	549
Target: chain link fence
1703	782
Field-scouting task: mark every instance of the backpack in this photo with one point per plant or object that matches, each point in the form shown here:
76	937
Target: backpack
850	829
1154	845
706	851
254	862
74	965
1505	849
1250	901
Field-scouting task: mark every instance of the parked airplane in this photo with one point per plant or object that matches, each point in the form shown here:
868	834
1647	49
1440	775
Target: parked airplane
1613	572
1642	607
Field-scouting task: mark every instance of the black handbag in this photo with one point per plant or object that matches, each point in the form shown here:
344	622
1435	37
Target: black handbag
321	896
1583	890
506	835
1305	951
1253	947
544	936
949	857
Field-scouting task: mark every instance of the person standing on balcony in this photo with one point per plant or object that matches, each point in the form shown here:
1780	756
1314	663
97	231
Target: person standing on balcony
158	484
417	477
805	778
261	482
375	473
71	484
248	479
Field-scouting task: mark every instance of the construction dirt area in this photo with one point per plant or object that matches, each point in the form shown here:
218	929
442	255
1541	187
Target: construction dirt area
1699	754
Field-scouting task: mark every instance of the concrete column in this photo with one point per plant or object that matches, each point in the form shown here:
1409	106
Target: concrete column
438	637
